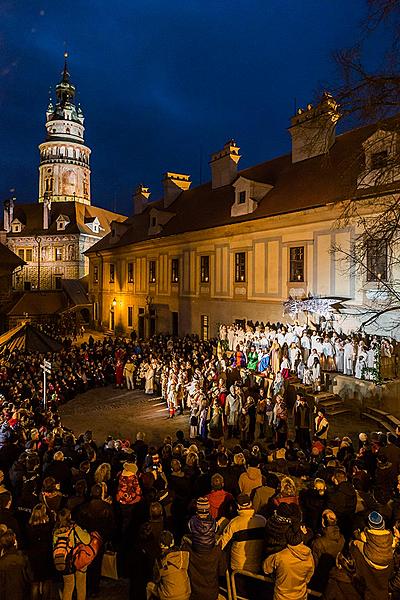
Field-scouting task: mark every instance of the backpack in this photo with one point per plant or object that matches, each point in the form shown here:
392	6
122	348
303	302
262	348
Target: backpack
84	554
62	551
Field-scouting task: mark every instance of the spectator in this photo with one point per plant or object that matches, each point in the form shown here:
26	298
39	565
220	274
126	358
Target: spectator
325	549
39	552
171	581
202	525
220	501
342	500
246	534
292	567
15	571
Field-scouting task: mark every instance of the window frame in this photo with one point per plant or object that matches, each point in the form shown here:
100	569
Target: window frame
297	266
112	273
175	270
373	256
152	271
205	268
242	197
96	274
58	254
130	274
240	267
130	316
205	327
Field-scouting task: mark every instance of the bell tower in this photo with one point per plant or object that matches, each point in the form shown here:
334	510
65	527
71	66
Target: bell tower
64	171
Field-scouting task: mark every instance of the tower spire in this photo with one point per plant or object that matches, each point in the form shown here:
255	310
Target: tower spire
65	73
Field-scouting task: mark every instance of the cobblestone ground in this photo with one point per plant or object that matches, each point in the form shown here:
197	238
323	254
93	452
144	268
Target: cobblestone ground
122	413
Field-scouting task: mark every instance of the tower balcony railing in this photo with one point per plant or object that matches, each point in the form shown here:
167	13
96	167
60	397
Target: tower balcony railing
65	160
65	198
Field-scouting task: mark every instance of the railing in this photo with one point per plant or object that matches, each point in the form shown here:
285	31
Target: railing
265	580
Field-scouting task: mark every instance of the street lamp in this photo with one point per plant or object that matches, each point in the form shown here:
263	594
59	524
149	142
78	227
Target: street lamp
114	302
38	241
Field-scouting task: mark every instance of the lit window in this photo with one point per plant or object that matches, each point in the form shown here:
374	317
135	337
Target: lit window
204	269
16	227
242	197
204	324
130	272
377	260
95	274
58	253
297	264
130	316
21	254
240	267
60	225
175	270
152	271
112	273
28	255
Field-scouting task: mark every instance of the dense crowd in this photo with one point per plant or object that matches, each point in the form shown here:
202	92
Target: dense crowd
306	350
240	490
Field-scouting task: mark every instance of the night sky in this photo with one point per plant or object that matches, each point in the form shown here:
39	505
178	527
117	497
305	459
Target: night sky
163	84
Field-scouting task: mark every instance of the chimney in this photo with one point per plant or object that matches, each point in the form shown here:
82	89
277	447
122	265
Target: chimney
46	210
140	199
224	165
174	184
313	129
8	213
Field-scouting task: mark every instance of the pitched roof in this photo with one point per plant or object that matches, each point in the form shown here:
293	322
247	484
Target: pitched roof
8	259
27	337
31	215
297	186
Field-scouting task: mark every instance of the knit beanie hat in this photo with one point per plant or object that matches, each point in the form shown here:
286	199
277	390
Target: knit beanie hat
166	540
294	535
244	501
289	512
375	520
202	506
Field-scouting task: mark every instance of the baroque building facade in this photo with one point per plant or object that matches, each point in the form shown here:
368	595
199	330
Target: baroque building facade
240	245
52	235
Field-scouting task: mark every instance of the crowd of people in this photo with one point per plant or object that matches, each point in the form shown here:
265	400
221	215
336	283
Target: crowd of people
255	484
307	350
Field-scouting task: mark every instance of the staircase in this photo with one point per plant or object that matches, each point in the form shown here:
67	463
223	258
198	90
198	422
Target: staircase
332	403
385	420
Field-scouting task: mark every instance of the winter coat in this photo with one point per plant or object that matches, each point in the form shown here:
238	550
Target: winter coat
98	515
293	568
342	500
15	576
206	565
250	480
325	548
246	532
171	575
340	586
371	581
40	551
261	497
220	502
312	505
203	531
129	491
376	545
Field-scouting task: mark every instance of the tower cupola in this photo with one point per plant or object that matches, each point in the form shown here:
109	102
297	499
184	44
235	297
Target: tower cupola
64	158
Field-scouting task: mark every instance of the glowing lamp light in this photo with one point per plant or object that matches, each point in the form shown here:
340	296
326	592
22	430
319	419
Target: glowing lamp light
298	277
114	302
379	276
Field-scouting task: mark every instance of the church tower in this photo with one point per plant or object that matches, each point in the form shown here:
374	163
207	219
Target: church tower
64	172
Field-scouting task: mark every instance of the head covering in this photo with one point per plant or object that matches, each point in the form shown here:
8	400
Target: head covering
130	467
294	535
363	437
244	501
202	506
166	540
375	520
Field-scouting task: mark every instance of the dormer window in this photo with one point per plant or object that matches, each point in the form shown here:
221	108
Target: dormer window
16	226
60	225
242	197
153	221
62	222
379	160
248	194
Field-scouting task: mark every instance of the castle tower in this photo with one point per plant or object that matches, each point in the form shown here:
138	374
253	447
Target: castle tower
64	172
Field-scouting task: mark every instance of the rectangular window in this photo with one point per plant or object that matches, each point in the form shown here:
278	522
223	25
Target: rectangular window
21	254
242	198
28	255
204	269
58	253
130	316
240	267
379	160
130	272
95	274
152	271
95	311
58	282
296	258
112	273
175	270
377	260
204	327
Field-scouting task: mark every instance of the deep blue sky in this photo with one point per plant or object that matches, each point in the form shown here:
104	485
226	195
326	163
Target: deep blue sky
163	83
